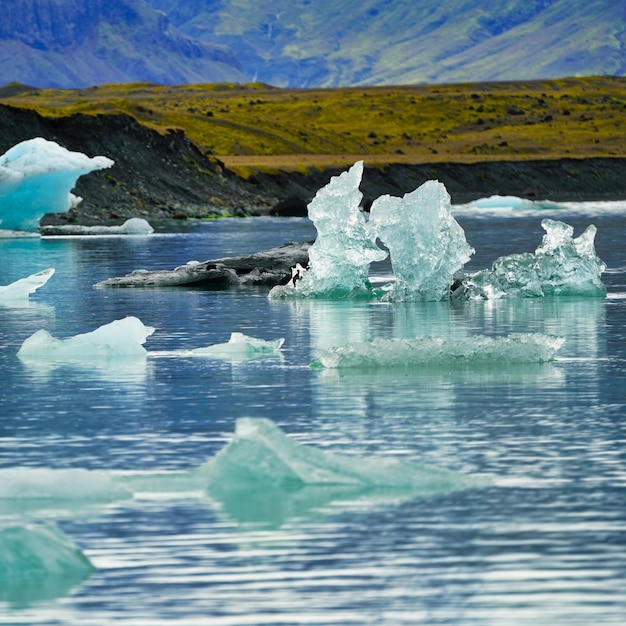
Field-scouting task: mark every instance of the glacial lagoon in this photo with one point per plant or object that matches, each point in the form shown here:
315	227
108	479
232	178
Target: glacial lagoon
526	522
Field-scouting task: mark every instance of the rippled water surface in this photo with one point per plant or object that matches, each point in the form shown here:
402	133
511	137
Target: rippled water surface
543	543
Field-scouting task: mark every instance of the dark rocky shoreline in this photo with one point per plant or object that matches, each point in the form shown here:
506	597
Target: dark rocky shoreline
164	176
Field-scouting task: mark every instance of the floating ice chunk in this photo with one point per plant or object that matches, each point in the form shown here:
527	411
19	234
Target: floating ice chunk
119	339
477	350
241	346
561	265
33	483
36	177
33	551
339	259
132	226
426	244
497	201
512	202
261	455
22	288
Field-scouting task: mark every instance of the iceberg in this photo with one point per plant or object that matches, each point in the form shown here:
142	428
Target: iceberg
426	244
512	202
36	177
561	266
241	346
261	455
39	562
120	339
438	351
22	288
340	257
132	226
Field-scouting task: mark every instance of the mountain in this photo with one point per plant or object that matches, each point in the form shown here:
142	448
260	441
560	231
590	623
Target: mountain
305	43
71	43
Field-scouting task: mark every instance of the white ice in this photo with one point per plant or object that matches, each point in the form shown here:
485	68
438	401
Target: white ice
36	177
561	265
37	551
426	244
22	288
262	456
132	226
241	346
440	351
339	259
122	338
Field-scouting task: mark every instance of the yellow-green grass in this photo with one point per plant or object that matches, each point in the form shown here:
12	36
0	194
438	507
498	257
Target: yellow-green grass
255	126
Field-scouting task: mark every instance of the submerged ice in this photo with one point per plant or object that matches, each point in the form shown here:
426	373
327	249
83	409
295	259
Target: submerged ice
35	551
261	475
37	177
261	455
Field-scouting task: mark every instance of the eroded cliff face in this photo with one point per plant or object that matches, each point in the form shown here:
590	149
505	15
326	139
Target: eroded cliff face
68	43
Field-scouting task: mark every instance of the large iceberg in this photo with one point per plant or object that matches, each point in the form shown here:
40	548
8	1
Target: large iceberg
23	287
439	351
426	244
122	338
428	251
339	259
561	266
37	177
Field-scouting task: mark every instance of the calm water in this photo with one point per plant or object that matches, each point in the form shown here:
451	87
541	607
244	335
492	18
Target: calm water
545	544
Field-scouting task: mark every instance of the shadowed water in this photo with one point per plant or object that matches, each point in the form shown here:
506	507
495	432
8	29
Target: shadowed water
540	541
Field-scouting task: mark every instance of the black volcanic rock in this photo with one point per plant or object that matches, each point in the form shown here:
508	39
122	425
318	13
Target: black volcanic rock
71	43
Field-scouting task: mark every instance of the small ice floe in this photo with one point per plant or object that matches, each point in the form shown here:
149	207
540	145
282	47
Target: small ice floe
512	202
240	347
22	288
132	226
438	351
120	339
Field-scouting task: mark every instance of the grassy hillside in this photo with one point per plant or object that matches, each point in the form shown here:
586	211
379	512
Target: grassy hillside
256	126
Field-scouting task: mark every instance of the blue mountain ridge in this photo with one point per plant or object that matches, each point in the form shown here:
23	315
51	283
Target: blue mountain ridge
306	43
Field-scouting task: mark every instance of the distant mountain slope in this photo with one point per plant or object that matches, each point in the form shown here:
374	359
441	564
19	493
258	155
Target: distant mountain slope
303	43
306	43
71	43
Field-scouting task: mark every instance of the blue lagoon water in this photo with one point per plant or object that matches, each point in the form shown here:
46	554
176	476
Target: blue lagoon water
543	543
